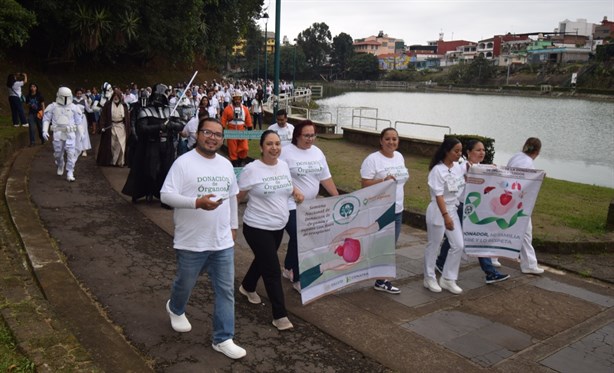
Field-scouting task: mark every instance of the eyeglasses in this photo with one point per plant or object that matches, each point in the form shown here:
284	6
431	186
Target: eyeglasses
217	135
310	136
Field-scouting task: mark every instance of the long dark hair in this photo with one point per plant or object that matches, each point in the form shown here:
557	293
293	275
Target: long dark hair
447	145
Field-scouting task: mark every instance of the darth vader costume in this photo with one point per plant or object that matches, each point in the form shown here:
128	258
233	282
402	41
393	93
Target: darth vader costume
156	129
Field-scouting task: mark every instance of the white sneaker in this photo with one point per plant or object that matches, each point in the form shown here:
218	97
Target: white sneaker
84	154
495	262
450	285
282	324
25	125
287	273
432	285
252	297
533	271
179	323
230	349
60	170
70	177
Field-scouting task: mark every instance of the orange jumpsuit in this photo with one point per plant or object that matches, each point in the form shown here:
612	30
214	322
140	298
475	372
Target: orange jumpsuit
237	148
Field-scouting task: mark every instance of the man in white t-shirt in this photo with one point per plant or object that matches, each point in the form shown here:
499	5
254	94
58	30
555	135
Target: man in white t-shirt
283	128
202	188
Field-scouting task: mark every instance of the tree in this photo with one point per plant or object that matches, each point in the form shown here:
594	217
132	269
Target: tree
342	51
15	24
315	44
363	66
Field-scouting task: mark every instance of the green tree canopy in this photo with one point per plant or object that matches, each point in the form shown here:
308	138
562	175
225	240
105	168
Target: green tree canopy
15	24
342	51
315	43
363	66
137	31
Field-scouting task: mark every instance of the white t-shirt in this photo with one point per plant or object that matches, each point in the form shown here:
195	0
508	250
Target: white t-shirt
449	183
269	189
256	109
285	133
378	166
308	167
192	176
15	90
190	130
521	160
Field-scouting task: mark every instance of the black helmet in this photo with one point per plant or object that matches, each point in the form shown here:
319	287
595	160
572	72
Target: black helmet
158	95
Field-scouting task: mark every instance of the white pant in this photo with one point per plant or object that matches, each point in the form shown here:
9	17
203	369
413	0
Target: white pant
435	233
528	260
65	146
118	143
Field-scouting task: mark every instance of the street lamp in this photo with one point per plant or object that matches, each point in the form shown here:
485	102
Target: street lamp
266	37
294	69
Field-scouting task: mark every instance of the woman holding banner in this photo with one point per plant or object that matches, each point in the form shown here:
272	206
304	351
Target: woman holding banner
446	183
387	164
309	169
474	154
268	183
524	159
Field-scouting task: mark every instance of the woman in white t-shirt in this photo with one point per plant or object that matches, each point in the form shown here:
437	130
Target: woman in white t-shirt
387	164
256	110
446	182
309	170
524	159
268	183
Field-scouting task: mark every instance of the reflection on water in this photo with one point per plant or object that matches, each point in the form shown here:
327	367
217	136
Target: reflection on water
577	135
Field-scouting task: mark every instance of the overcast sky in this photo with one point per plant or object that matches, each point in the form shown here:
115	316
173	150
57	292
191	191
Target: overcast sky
418	21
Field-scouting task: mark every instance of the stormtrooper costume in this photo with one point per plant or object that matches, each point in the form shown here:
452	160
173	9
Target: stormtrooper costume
106	91
66	118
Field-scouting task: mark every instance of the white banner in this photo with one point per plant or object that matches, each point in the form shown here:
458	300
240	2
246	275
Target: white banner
498	205
346	239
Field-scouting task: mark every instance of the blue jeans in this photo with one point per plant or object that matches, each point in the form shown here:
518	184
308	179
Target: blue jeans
219	265
36	126
485	263
17	113
398	219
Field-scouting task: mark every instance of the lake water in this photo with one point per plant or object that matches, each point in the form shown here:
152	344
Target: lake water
577	135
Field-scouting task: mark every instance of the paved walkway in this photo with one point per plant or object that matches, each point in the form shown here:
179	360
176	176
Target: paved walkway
122	257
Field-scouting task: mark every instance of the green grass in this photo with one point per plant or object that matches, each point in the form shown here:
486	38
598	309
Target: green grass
11	360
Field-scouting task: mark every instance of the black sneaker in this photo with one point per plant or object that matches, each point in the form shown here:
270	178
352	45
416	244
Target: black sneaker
385	285
439	268
496	277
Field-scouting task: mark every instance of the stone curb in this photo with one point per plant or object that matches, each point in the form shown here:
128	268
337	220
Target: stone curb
109	349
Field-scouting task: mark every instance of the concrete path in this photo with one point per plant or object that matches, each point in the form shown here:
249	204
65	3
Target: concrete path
121	257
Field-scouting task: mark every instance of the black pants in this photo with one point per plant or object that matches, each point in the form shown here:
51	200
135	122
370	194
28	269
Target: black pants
265	244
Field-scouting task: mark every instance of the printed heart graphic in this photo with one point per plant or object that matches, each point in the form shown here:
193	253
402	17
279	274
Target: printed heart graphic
350	250
488	189
505	198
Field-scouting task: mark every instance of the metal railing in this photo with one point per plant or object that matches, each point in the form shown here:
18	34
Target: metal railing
423	124
377	120
429	136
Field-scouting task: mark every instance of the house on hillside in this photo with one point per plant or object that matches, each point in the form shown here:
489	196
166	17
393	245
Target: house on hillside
378	45
491	48
547	51
604	31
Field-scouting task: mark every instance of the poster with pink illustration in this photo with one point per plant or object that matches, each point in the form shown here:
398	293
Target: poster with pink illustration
346	239
498	203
